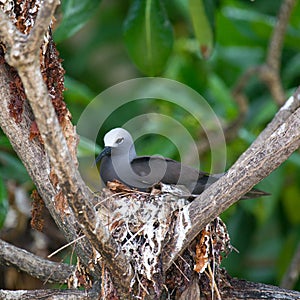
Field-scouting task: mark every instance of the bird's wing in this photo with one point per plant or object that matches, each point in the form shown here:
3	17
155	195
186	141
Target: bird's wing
170	171
173	172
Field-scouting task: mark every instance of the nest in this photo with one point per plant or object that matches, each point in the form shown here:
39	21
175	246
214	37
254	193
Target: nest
141	224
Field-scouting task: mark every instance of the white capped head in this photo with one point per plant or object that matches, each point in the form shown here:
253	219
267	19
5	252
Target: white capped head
120	141
116	137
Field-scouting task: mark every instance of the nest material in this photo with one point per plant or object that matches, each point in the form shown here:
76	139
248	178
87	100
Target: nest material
140	222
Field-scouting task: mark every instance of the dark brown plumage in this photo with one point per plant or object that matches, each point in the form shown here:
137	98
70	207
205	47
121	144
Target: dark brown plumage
120	162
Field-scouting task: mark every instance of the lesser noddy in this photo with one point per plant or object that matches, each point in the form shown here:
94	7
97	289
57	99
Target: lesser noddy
120	162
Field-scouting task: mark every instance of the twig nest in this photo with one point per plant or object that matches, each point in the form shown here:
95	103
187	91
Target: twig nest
141	224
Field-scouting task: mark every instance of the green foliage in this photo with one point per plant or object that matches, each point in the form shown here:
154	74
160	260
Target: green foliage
12	168
202	15
162	37
75	14
222	95
263	230
87	147
148	36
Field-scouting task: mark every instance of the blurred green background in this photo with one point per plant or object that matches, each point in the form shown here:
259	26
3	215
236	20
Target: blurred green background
101	43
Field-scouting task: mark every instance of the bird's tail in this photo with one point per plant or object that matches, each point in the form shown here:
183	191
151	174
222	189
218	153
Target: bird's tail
255	193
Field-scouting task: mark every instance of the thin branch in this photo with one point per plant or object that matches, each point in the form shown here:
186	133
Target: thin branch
243	81
8	31
273	81
42	22
255	164
269	72
276	42
37	267
292	274
65	246
230	131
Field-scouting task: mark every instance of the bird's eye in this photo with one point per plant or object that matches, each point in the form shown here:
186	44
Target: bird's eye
119	141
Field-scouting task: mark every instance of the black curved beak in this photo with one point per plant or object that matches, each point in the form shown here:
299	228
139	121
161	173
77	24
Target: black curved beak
105	152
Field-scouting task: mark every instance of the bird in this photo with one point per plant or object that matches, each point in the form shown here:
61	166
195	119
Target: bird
119	161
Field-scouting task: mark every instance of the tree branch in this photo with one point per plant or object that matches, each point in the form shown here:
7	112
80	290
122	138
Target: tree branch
269	71
292	274
276	42
49	295
242	289
23	54
33	156
237	289
274	146
35	266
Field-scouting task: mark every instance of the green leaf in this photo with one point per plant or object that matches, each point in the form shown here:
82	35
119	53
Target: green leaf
291	203
288	247
86	147
4	142
77	91
3	202
295	159
202	14
75	14
11	167
148	36
222	94
261	113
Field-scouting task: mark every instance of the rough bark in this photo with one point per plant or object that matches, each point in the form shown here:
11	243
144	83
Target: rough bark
71	203
23	53
35	266
275	144
238	289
